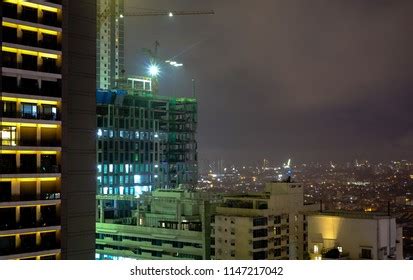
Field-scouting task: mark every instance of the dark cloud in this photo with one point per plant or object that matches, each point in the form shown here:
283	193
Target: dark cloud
314	80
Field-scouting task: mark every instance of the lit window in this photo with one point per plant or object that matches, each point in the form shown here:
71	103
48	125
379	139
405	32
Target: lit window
121	190
8	136
315	249
99	133
111	168
105	190
137	179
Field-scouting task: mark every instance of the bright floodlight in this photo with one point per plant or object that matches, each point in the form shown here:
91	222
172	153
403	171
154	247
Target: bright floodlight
171	14
153	70
121	16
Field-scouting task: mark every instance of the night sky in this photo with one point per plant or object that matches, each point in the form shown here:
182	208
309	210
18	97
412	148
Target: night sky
311	80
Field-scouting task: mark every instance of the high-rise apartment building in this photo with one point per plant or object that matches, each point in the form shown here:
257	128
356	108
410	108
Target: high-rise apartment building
47	129
110	43
353	235
261	226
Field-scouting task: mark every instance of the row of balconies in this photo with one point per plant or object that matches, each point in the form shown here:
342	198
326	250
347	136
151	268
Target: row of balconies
29	197
31	39
32	116
31	87
30	14
28	223
30	63
30	247
28	164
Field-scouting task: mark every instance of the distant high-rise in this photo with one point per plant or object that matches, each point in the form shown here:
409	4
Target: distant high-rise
110	42
47	129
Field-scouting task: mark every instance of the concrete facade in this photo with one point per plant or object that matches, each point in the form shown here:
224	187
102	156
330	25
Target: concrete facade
267	225
168	225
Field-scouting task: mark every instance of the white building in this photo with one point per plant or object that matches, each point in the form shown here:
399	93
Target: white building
345	235
267	225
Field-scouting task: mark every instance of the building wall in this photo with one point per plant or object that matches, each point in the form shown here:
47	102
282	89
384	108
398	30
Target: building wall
110	42
48	125
285	226
352	234
79	130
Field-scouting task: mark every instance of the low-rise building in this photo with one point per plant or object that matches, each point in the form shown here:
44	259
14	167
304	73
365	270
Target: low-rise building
167	225
349	235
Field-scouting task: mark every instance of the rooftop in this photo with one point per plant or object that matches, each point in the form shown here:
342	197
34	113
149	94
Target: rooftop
352	215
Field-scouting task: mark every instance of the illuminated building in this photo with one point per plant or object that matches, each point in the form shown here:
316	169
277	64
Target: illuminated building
110	42
261	226
353	235
145	142
167	225
47	128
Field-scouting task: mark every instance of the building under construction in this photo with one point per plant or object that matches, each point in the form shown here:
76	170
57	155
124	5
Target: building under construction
145	142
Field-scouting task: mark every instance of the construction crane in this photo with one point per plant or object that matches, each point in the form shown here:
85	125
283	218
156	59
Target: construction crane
106	13
152	54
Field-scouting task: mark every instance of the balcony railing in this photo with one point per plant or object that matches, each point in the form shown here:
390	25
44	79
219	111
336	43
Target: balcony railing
30	15
30	170
32	116
30	224
33	197
30	66
30	143
30	249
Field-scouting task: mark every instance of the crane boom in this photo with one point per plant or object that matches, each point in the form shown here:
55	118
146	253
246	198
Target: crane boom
171	13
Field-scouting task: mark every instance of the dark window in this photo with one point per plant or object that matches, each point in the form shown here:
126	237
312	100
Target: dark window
260	233
260	244
261	221
366	254
260	255
9	59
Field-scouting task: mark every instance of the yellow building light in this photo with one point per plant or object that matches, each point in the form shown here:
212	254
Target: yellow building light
33	5
29	125
7	49
27	52
48	125
26	100
27	233
30	28
49	179
9	24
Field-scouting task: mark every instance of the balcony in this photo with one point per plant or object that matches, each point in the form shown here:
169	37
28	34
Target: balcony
30	14
54	169
31	116
29	63
30	249
9	10
30	197
29	143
